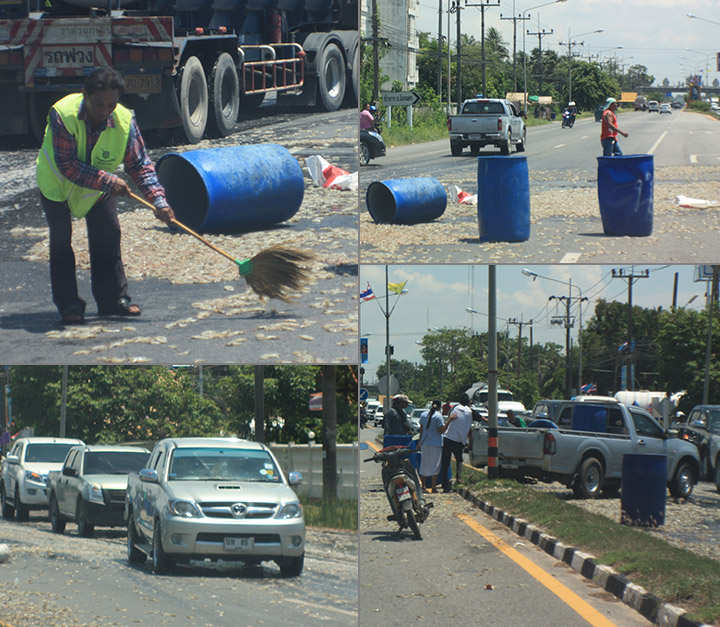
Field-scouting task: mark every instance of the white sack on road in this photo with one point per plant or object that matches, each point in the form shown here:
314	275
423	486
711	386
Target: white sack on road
695	203
325	175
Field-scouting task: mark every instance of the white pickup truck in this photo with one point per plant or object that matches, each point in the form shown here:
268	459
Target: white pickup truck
214	498
487	121
585	452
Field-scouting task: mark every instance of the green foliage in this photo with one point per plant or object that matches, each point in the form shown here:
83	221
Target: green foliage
330	513
699	105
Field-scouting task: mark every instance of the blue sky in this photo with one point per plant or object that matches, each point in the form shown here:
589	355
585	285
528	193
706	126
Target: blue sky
653	33
437	296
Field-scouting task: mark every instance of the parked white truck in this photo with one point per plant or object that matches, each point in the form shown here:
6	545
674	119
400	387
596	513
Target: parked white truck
90	487
216	498
25	471
487	121
586	451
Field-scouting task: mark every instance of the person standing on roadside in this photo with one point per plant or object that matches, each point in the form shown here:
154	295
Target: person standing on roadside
87	137
609	130
430	444
456	431
396	421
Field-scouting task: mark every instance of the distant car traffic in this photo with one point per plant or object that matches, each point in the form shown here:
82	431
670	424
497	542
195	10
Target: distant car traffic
653	105
676	104
702	428
665	108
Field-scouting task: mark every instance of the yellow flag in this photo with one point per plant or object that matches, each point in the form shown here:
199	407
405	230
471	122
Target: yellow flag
397	288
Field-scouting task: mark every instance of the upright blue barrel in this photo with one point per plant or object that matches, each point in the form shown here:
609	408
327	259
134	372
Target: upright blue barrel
644	479
503	199
234	189
625	194
406	201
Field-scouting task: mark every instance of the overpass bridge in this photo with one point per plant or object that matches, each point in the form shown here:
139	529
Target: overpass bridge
677	89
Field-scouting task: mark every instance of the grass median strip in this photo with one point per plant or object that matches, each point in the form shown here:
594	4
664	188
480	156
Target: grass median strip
330	513
672	574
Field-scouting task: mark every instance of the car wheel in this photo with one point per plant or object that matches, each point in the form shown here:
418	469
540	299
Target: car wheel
85	529
134	555
291	566
8	511
520	147
456	149
590	479
683	481
57	521
22	513
506	148
364	154
161	561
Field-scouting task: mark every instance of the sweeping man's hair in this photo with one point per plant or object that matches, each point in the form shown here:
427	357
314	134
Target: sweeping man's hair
104	78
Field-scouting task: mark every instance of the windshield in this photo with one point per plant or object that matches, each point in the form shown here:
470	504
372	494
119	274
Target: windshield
114	462
481	396
222	464
49	453
714	421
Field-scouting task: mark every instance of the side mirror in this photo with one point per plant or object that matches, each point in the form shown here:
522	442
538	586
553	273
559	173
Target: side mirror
68	471
12	459
295	478
149	475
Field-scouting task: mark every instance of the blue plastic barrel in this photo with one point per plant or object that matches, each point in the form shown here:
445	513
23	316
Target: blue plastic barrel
503	199
644	479
234	189
406	201
625	194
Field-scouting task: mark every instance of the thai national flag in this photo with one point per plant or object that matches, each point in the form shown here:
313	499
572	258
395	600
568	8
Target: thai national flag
588	388
368	294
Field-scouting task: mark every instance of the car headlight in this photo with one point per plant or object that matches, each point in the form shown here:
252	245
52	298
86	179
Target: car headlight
290	510
34	477
95	494
184	509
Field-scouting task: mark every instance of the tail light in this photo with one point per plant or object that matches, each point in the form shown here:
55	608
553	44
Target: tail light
449	124
549	446
499	124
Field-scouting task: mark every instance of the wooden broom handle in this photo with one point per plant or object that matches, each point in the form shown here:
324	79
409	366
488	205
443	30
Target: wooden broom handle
187	229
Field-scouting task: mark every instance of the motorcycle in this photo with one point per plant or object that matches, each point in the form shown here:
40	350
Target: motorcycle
402	487
568	119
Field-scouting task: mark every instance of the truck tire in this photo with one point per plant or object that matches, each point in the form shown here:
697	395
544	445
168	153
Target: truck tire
8	511
57	520
161	561
364	154
354	78
683	481
224	92
291	566
331	77
590	479
193	100
520	146
22	513
134	555
506	148
456	149
85	529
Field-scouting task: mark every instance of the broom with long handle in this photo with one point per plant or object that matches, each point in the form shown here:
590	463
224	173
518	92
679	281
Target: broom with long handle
276	272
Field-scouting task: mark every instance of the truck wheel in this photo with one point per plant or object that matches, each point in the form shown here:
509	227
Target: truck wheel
291	566
364	154
134	555
8	511
520	146
354	78
193	100
506	148
590	479
85	529
161	561
224	91
57	521
683	481
331	77
456	149
22	513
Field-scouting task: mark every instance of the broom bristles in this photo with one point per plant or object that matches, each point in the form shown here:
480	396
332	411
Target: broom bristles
279	272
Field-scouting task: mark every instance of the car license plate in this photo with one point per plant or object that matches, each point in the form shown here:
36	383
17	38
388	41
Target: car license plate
239	544
475	136
403	493
142	83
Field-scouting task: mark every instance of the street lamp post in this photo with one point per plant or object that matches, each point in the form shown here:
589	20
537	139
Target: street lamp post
570	45
704	19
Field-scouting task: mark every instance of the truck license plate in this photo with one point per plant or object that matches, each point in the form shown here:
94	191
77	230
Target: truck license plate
239	544
68	56
403	493
475	136
142	83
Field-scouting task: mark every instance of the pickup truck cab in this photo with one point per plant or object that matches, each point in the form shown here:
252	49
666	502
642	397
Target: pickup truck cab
487	121
214	498
585	451
25	471
702	428
90	488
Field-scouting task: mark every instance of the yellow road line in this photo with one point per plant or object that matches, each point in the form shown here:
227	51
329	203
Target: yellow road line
587	611
372	445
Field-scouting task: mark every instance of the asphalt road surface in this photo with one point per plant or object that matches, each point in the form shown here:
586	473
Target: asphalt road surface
461	573
565	214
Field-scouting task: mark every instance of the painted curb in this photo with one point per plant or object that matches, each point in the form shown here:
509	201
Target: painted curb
636	597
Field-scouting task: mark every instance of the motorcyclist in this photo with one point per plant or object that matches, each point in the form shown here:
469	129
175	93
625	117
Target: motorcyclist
367	118
570	113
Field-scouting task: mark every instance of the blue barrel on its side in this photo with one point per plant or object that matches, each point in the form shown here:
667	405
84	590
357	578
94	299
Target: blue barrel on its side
503	199
625	194
406	201
234	189
643	490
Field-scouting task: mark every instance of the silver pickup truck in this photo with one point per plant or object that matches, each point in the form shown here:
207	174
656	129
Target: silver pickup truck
585	449
487	121
216	498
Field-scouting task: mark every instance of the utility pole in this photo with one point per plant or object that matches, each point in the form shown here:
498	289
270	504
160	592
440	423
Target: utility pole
515	20
456	8
483	5
570	44
540	34
440	59
708	346
519	324
630	277
376	51
568	322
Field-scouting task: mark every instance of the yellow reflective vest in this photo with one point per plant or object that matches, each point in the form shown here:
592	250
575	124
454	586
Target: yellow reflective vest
107	155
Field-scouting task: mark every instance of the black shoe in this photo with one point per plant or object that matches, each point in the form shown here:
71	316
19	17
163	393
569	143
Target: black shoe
121	307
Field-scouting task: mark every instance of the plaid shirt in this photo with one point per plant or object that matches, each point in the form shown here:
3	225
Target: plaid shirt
137	162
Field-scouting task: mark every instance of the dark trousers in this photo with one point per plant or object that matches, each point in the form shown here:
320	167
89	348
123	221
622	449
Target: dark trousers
610	147
450	448
108	278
